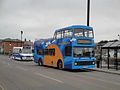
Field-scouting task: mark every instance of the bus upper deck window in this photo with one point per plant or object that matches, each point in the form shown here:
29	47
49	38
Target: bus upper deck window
78	32
55	35
67	33
90	33
59	35
70	33
86	33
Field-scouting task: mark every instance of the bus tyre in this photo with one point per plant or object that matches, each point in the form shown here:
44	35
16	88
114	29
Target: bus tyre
59	65
40	62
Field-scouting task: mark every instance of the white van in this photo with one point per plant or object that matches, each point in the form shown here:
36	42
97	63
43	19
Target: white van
22	53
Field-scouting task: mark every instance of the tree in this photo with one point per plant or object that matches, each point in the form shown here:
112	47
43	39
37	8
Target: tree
103	41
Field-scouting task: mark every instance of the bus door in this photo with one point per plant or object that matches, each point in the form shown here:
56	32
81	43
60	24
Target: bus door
68	56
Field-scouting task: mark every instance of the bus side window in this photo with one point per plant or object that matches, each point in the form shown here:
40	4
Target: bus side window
32	50
52	52
55	35
59	35
68	33
62	34
68	51
46	52
40	51
65	33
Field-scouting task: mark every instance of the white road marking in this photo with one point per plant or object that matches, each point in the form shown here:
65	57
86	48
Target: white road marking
49	77
21	68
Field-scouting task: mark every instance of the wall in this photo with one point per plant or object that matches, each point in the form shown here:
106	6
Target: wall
8	46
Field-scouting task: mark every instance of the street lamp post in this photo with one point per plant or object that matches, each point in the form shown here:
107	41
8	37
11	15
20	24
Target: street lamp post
88	12
21	37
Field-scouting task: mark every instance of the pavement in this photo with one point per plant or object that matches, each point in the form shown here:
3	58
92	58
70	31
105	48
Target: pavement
106	70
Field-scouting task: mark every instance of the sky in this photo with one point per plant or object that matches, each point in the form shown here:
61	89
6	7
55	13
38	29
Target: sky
40	18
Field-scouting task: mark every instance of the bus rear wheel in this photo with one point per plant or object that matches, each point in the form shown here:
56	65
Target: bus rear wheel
40	63
59	65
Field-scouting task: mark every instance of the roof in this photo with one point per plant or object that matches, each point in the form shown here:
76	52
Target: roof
108	44
11	40
75	26
0	40
28	43
112	45
116	44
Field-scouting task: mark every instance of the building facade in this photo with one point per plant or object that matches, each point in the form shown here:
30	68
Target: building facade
6	45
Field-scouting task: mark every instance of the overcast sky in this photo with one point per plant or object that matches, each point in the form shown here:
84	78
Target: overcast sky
40	18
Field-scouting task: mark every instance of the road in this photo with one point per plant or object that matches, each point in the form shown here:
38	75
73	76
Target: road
26	75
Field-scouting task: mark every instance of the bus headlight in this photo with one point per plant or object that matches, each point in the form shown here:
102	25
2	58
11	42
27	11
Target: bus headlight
75	63
93	62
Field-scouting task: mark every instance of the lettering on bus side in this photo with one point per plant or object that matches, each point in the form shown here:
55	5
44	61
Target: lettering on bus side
63	43
50	52
80	41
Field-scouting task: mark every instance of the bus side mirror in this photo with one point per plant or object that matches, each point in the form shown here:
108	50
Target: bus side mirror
93	53
33	51
20	51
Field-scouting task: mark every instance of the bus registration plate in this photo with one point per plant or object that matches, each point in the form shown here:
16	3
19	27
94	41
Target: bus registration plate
85	66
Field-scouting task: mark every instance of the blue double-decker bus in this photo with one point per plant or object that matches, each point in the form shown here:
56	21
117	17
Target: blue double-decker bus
70	48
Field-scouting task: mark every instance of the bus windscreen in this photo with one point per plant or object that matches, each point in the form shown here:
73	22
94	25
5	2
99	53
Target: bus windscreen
78	32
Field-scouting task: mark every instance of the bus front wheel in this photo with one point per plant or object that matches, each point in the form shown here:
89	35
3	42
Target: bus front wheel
59	65
40	62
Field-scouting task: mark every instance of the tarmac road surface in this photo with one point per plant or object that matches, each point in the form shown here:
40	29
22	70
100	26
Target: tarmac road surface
26	75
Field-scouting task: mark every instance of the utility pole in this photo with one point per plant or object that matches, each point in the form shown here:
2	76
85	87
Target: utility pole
21	37
88	12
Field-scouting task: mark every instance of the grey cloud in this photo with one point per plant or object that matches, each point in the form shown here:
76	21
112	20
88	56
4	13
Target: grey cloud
39	18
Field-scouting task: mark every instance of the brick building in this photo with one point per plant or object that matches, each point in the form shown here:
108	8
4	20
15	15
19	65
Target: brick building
6	45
